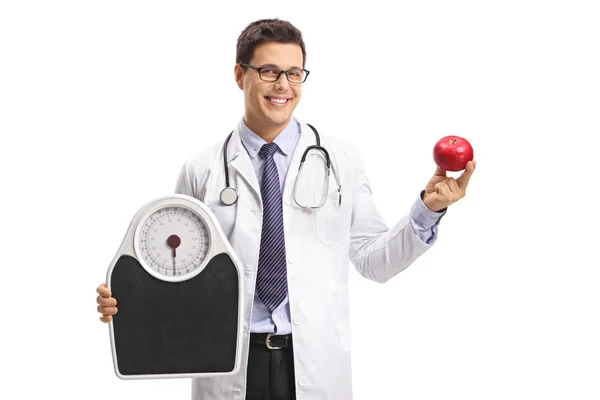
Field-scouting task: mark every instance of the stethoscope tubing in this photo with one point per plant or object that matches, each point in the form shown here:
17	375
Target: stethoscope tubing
229	195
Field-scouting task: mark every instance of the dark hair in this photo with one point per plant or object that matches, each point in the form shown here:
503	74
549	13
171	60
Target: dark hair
267	30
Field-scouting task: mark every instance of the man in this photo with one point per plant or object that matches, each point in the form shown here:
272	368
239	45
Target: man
296	261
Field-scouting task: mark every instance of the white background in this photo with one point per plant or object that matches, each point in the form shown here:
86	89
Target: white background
101	102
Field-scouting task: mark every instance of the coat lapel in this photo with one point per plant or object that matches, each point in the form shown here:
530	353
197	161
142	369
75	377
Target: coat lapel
306	139
238	158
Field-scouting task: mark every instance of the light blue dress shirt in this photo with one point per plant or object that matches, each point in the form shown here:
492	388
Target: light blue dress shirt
423	220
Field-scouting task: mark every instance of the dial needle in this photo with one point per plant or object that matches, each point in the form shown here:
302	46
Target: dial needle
173	242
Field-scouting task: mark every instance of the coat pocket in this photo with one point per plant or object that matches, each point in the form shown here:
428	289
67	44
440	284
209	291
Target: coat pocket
332	220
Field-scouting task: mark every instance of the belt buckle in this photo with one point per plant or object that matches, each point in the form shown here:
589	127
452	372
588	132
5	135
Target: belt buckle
269	345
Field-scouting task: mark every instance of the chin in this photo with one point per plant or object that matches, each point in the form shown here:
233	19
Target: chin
277	118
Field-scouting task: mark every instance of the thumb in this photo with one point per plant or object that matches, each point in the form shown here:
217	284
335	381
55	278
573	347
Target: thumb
463	179
439	172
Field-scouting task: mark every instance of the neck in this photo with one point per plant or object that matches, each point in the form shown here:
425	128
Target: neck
267	131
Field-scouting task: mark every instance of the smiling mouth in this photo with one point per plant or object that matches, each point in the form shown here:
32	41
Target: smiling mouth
277	101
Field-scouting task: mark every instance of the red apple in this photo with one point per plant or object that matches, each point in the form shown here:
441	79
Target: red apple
452	153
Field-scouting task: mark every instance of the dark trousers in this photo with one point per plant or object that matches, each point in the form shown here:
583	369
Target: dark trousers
270	373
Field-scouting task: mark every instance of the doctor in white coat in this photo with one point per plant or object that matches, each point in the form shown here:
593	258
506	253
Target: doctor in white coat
298	348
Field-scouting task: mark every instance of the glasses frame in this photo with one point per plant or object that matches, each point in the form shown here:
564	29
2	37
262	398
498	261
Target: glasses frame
281	71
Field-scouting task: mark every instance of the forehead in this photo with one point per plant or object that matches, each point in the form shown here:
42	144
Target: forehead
283	55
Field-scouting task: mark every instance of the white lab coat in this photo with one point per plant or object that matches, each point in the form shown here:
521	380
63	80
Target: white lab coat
319	246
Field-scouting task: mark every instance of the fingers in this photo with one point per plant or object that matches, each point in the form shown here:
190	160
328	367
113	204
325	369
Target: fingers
106	318
463	179
106	302
107	310
443	189
450	190
103	291
454	188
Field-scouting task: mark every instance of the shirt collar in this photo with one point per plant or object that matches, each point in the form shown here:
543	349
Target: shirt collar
286	140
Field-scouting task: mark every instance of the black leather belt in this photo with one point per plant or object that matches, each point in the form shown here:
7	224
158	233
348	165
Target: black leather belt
271	340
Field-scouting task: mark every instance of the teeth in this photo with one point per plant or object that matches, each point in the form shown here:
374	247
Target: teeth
280	101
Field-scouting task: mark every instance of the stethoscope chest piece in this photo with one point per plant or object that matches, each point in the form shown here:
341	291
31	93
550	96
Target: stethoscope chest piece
229	196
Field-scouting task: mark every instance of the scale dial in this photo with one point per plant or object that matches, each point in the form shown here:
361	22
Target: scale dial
172	243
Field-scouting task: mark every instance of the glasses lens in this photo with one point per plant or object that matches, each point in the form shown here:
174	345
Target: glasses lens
296	75
269	74
312	181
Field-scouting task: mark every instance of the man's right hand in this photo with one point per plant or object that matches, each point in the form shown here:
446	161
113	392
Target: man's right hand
107	305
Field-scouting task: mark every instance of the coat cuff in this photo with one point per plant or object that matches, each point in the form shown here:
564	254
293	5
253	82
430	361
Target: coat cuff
425	217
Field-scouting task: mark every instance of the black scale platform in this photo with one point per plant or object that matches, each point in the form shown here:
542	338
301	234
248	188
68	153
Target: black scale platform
183	327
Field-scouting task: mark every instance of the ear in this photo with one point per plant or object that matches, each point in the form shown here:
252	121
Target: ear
239	76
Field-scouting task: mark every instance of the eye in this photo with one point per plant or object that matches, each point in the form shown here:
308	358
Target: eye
270	71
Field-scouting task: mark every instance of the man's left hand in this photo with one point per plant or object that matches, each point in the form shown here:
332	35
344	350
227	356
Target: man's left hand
441	190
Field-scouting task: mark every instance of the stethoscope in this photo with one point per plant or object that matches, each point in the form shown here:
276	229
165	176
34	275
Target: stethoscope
229	195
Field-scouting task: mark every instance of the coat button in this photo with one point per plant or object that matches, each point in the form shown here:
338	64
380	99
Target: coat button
303	381
298	319
237	390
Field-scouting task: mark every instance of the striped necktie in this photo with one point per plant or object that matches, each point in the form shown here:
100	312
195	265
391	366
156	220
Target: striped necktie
271	279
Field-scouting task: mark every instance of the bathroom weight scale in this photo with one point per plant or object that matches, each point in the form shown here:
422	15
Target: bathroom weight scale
178	285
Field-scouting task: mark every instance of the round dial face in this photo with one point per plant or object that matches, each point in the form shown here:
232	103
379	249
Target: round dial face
172	242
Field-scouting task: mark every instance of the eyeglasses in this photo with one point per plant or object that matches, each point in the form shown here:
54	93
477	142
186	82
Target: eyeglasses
272	74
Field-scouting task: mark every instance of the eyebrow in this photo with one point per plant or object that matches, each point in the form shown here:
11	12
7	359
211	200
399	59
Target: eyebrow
276	66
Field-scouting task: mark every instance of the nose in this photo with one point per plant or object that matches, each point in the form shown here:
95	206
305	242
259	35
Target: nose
282	83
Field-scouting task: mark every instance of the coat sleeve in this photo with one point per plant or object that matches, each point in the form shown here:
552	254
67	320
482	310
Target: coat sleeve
195	173
378	252
184	181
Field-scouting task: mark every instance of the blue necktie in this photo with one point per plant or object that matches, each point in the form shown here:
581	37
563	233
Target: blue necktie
271	279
